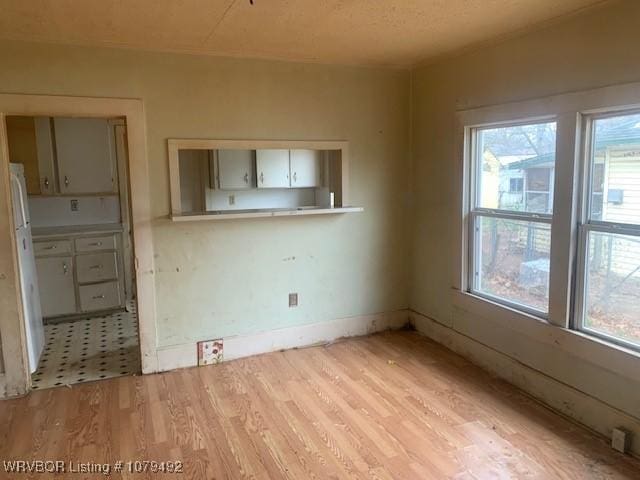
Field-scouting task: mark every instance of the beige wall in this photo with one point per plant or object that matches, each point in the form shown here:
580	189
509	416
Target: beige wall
595	49
221	279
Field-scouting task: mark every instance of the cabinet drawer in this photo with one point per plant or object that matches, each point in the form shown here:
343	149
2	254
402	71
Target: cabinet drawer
91	244
100	296
51	247
96	267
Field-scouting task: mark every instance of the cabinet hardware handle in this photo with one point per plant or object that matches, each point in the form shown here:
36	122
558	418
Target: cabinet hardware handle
295	176
261	177
51	247
66	181
46	182
246	178
97	297
95	244
95	267
65	268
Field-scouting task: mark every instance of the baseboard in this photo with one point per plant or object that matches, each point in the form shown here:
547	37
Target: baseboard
566	400
185	355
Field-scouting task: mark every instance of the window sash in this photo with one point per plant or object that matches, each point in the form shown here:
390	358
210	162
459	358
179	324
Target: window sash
581	277
589	224
476	211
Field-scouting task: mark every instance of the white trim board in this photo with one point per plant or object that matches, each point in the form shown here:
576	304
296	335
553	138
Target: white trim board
16	378
185	355
562	398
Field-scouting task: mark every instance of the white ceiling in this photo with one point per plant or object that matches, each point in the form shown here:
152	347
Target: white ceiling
367	32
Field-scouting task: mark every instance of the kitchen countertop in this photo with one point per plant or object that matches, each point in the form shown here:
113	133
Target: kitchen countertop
69	230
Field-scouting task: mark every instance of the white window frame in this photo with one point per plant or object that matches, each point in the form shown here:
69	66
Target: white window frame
476	212
587	225
571	111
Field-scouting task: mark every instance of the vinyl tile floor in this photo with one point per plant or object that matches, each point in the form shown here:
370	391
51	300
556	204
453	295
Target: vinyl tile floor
89	349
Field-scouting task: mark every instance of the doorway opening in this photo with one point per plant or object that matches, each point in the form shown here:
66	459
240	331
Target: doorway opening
72	214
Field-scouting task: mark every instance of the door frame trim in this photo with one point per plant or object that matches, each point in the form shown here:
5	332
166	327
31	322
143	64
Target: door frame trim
15	380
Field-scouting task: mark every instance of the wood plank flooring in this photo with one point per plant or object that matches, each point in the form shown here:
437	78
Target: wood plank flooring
388	406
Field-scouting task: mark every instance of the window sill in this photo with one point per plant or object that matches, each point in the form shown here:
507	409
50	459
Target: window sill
240	214
595	350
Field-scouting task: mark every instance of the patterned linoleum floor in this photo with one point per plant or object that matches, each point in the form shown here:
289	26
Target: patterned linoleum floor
89	349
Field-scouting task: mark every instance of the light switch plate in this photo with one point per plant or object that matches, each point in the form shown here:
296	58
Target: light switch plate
620	440
210	352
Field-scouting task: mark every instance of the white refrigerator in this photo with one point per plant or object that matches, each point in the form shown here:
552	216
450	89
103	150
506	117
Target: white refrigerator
34	328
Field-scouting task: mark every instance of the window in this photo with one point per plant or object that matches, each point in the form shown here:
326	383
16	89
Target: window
609	274
516	185
511	232
551	218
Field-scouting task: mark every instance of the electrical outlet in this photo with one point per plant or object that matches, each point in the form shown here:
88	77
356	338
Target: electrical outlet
293	300
210	352
74	205
620	440
232	199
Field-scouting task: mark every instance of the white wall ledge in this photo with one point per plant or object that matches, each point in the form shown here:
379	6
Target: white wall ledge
239	214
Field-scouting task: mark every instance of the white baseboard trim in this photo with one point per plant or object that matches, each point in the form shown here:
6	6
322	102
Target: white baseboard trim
563	398
185	355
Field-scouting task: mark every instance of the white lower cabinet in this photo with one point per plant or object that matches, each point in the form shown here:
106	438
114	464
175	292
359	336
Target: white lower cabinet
86	278
99	296
56	285
96	267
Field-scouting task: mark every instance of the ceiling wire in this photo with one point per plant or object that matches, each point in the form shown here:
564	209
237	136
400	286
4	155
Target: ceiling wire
215	27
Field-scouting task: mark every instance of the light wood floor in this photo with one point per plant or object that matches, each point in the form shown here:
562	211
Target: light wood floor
393	405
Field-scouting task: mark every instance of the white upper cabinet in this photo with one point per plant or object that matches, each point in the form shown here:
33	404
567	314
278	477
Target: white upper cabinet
44	149
305	168
272	167
236	169
85	155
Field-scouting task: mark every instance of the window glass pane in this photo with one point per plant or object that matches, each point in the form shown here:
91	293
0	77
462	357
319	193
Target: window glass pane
508	157
513	261
613	286
615	178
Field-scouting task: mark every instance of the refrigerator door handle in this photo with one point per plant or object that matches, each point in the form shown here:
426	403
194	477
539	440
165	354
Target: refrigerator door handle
14	178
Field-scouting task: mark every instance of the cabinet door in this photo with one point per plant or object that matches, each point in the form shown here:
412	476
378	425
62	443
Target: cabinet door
236	169
305	168
272	167
55	282
84	151
21	139
44	147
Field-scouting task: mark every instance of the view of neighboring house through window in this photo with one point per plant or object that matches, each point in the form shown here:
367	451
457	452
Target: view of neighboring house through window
610	294
511	213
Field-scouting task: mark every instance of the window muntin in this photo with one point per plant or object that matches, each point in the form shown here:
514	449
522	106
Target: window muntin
511	214
609	273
